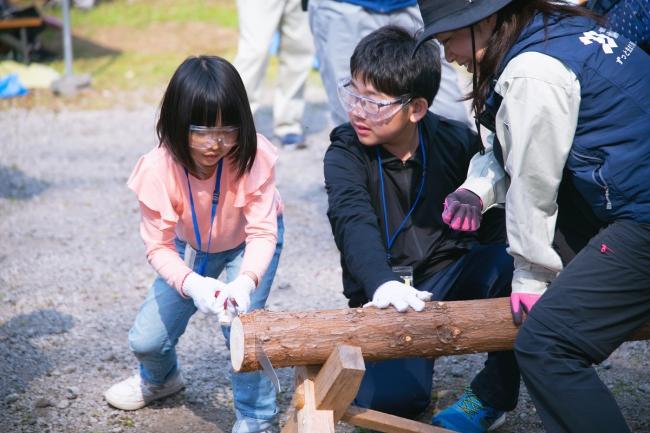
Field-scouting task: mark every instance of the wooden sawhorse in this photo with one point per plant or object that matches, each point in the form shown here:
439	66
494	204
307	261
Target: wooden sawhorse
323	395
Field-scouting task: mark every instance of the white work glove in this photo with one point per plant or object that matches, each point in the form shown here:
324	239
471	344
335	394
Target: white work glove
400	296
236	295
203	290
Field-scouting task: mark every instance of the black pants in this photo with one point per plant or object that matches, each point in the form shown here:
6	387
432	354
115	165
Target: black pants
403	387
596	302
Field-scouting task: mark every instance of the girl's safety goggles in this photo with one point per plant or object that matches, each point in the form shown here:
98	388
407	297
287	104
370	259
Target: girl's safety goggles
371	109
208	137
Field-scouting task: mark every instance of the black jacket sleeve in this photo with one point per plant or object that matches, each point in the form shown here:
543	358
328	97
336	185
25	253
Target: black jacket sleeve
354	222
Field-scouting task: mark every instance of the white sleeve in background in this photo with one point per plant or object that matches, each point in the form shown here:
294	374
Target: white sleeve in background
535	126
449	99
486	178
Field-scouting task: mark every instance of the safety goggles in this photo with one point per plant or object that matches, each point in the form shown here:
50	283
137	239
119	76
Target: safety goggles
208	137
371	109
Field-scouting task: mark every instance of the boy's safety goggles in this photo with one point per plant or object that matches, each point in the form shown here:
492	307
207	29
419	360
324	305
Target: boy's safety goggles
207	137
371	108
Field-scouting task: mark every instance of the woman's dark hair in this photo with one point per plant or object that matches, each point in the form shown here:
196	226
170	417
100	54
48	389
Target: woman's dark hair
383	58
511	21
206	91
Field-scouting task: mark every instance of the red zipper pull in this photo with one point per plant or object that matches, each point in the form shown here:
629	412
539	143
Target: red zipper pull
604	248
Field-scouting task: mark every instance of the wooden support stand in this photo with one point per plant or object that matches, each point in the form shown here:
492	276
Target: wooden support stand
323	395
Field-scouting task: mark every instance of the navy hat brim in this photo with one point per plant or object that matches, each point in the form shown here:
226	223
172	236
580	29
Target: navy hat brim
471	13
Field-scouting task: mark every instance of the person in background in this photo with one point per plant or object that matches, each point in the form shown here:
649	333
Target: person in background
338	25
258	22
208	202
387	173
568	102
628	17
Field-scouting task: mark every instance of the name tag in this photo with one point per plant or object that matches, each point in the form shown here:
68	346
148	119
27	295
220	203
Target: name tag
189	255
405	273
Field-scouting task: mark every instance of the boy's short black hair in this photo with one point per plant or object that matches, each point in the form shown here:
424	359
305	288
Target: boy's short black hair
206	91
386	60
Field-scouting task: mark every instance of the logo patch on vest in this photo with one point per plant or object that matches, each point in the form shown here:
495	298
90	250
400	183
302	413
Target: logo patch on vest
605	39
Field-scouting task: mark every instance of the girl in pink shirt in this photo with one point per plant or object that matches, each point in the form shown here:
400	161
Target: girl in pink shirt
208	202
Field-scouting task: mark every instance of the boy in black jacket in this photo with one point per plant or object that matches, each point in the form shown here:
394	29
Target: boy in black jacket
387	174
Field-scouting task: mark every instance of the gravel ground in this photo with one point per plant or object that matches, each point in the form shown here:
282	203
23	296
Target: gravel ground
73	273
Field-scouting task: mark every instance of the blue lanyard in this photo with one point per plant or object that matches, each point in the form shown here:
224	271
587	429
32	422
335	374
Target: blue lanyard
390	240
213	213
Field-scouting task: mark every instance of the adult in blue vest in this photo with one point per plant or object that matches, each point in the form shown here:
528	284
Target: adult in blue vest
568	103
628	17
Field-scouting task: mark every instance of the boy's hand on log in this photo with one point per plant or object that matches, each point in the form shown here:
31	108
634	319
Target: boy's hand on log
462	210
400	296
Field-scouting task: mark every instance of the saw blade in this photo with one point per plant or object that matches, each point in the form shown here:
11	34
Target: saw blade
265	362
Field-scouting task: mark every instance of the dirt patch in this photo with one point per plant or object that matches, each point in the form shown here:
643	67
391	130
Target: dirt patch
186	37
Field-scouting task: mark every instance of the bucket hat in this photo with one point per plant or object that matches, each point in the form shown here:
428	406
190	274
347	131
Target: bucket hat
445	15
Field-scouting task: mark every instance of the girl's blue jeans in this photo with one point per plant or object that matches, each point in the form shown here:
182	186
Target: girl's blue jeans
164	315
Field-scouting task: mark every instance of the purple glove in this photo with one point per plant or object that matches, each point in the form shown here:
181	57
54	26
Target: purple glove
520	302
462	210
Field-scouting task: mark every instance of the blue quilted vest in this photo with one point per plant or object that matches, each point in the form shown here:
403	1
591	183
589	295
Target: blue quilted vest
609	162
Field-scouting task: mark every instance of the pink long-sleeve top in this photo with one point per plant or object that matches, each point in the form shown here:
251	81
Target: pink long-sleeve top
247	211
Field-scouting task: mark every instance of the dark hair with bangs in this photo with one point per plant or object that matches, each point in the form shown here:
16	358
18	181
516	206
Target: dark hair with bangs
383	59
511	21
206	91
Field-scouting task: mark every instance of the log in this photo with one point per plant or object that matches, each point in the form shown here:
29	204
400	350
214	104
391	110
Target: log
443	328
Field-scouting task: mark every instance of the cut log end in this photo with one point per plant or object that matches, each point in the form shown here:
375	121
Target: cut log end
237	344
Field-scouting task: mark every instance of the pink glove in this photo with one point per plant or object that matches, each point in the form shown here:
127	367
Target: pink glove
462	210
520	302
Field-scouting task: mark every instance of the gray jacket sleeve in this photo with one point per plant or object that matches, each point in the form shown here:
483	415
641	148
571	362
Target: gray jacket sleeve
535	126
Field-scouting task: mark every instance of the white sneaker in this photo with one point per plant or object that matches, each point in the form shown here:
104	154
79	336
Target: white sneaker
135	393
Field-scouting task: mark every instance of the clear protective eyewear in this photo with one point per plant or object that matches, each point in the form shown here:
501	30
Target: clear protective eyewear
208	137
371	108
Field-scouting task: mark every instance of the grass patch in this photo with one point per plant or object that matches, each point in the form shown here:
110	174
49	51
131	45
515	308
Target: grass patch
131	46
128	71
143	13
622	388
127	421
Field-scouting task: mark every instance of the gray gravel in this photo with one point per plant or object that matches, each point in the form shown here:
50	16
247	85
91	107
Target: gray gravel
73	273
